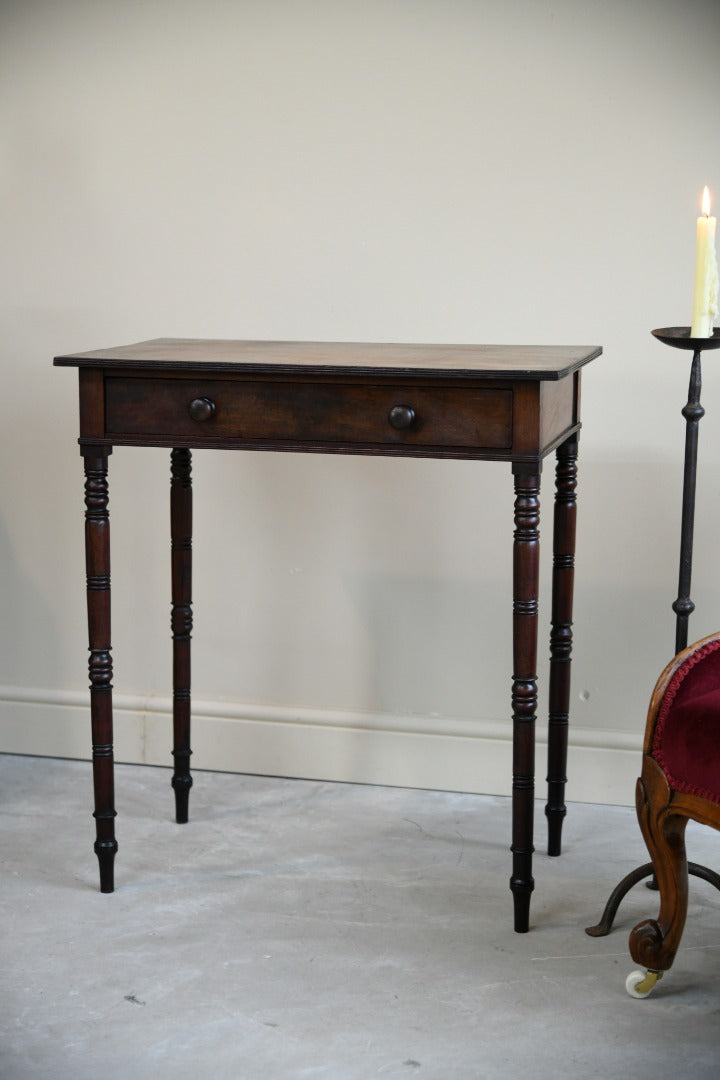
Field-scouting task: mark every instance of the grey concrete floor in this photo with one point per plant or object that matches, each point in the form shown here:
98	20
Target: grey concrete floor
296	929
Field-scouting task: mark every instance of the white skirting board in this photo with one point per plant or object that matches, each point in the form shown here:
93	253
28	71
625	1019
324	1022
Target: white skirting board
451	754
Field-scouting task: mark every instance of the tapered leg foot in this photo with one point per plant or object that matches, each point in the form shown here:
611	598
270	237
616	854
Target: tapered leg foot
522	891
555	819
181	786
106	852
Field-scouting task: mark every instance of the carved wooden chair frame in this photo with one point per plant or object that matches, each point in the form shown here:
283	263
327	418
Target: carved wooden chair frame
664	807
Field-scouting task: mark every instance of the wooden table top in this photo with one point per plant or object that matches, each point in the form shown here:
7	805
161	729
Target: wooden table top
533	362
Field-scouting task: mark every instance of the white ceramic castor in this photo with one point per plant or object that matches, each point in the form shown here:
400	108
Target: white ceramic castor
640	984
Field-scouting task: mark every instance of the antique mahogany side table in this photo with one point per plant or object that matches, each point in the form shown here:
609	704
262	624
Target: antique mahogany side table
491	403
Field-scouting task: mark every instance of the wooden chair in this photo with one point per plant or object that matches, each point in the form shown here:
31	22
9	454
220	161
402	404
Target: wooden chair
680	781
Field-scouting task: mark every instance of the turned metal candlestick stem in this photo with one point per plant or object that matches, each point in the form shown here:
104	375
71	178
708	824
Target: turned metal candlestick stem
679	338
693	413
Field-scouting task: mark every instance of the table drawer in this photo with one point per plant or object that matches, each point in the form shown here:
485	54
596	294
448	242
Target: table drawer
308	412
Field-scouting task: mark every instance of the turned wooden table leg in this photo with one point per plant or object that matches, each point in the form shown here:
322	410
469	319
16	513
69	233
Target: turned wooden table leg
181	623
563	579
654	942
97	560
526	551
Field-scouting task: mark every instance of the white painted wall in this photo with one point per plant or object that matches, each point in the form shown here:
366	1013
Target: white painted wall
436	170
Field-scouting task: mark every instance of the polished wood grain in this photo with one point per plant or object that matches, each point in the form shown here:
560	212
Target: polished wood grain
481	417
260	410
369	358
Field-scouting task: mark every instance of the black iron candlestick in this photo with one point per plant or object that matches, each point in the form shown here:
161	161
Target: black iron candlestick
679	338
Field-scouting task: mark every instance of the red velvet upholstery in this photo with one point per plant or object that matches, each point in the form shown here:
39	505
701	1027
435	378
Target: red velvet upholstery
686	742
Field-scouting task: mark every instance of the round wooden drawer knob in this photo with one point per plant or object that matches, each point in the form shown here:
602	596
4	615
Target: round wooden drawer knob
401	417
202	408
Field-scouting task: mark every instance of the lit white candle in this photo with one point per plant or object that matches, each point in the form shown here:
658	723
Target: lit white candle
706	274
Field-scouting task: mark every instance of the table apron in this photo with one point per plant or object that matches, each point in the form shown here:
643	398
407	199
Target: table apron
497	422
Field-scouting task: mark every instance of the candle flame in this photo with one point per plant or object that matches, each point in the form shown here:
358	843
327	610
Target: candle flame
706	202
